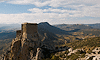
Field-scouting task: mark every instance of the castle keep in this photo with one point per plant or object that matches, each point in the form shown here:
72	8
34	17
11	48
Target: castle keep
28	30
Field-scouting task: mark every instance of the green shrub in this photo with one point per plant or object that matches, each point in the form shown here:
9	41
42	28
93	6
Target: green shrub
55	57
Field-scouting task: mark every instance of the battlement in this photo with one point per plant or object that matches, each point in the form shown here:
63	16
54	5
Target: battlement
30	23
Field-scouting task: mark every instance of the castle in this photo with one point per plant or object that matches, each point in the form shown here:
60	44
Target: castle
24	46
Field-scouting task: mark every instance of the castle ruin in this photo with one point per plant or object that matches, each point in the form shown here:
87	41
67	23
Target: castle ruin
25	45
28	31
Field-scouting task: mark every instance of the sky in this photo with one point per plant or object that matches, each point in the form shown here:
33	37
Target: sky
51	11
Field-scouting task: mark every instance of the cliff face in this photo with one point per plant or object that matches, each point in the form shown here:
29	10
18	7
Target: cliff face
24	49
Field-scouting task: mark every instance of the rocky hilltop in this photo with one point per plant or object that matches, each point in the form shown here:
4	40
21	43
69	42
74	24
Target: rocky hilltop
27	45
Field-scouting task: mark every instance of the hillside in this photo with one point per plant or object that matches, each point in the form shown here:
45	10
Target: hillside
78	26
4	45
50	28
78	31
81	49
48	34
97	25
7	35
85	44
8	31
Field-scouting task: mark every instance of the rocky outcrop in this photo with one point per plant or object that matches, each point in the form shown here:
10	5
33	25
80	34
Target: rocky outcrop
24	49
39	54
26	44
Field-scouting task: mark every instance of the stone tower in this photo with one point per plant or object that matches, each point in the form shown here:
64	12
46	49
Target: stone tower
29	30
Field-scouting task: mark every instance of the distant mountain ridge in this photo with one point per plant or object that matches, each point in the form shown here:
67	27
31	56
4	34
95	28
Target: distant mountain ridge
78	26
97	25
9	26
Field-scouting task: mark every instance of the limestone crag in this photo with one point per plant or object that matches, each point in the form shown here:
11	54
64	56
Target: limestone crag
39	54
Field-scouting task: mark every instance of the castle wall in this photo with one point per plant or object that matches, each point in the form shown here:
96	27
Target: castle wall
18	33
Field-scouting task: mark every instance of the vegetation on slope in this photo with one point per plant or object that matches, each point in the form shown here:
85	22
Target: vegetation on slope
87	44
4	45
90	42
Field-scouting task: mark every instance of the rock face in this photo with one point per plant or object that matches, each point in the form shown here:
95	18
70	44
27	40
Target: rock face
26	44
39	54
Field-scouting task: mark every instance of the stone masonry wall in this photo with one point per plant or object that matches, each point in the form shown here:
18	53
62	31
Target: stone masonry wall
29	29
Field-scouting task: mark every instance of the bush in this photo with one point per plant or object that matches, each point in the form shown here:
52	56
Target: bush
73	56
55	57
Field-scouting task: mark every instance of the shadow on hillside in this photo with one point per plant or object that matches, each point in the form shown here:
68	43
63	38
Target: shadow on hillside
51	29
75	30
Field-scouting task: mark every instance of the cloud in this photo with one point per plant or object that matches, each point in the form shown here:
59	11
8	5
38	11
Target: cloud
90	11
37	10
33	17
26	17
57	11
55	3
75	8
38	3
52	18
20	2
4	0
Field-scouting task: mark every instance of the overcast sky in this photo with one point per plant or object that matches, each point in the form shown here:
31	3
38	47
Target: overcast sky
52	11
